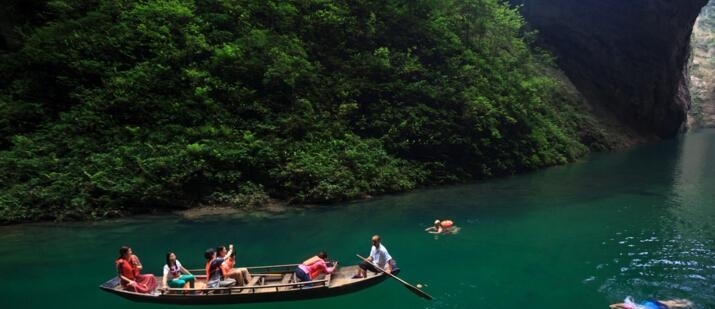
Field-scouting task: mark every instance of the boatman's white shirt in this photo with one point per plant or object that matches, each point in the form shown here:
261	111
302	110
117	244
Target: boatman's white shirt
380	256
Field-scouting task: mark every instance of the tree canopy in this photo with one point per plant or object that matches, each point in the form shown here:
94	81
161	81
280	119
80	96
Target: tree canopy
110	107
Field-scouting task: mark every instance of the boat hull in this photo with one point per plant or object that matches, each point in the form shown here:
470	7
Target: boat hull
340	284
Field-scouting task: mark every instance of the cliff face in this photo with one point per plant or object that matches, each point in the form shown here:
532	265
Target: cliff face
626	56
702	69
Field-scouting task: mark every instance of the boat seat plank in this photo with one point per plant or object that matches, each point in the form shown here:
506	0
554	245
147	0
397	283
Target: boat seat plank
287	278
254	281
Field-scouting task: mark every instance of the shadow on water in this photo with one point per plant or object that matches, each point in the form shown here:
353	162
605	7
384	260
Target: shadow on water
584	235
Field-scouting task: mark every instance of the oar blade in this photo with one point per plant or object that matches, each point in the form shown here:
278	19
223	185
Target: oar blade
419	292
415	290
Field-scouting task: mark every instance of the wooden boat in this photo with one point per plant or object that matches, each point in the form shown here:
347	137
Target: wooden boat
269	283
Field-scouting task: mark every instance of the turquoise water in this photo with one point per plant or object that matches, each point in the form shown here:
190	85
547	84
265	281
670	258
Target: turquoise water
637	223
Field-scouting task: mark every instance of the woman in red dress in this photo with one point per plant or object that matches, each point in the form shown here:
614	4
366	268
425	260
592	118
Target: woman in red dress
129	271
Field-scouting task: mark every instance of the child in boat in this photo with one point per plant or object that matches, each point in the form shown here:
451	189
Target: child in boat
652	304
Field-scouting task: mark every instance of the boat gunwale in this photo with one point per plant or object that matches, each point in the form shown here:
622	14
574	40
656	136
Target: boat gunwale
253	287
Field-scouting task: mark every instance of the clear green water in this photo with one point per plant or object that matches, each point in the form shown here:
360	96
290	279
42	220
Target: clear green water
637	223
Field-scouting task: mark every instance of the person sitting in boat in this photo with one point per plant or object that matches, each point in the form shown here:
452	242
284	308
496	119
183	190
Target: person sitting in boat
441	227
379	256
214	276
311	268
241	274
129	271
628	303
175	275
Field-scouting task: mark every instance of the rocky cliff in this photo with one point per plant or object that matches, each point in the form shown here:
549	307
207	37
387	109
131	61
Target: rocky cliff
628	57
702	69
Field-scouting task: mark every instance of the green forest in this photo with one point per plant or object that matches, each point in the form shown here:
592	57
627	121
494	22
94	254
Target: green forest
117	107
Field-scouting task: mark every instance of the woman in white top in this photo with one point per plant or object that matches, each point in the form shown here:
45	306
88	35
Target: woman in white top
175	275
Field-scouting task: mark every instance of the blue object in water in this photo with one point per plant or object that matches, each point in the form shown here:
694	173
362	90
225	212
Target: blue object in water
653	304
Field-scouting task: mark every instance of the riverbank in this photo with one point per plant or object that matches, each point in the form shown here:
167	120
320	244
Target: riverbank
270	208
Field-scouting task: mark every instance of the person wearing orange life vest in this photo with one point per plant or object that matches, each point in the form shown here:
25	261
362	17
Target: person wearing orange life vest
240	274
214	276
440	226
314	266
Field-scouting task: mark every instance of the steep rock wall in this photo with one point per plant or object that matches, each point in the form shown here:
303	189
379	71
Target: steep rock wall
626	56
702	69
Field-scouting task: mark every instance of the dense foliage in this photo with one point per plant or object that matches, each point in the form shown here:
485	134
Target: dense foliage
115	106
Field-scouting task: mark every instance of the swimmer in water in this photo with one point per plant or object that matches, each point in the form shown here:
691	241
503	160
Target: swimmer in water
652	304
443	227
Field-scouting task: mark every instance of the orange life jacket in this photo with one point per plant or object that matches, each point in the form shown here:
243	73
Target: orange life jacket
446	223
317	268
227	266
311	260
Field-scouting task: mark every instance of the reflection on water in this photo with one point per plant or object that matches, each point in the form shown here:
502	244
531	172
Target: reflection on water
693	187
672	256
648	266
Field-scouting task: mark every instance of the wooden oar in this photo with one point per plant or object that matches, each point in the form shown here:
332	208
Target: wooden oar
412	288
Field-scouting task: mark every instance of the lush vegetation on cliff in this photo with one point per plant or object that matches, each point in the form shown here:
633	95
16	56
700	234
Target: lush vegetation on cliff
109	107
